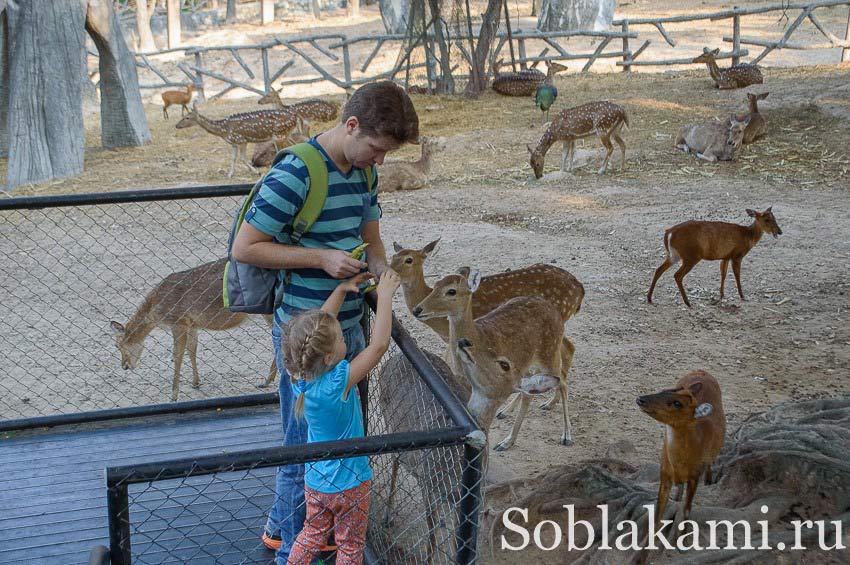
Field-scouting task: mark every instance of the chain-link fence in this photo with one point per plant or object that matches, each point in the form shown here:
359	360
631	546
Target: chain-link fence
72	265
423	449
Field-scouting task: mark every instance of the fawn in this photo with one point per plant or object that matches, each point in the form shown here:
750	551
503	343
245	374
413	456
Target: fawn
713	141
694	430
736	76
693	241
526	334
173	97
757	128
402	175
183	302
604	119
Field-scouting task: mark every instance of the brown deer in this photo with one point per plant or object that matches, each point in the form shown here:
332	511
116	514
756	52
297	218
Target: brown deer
713	141
527	330
265	153
757	126
736	76
404	175
694	430
173	97
694	241
183	302
604	119
240	129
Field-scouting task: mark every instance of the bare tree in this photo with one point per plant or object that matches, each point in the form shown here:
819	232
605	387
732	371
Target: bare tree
231	12
143	25
489	26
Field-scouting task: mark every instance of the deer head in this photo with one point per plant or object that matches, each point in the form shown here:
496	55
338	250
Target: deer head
130	352
766	221
408	262
707	56
536	161
677	406
736	131
450	297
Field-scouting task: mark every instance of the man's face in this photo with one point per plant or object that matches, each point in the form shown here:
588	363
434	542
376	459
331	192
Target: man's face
363	150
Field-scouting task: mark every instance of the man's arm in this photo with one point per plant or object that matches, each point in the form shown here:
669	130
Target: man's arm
376	255
254	247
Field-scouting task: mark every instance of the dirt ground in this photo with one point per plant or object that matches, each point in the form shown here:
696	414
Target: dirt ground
788	341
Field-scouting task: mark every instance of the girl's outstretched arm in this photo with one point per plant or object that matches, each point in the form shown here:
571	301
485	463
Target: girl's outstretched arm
379	341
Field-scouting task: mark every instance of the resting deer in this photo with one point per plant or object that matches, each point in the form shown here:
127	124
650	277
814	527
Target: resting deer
757	127
713	141
265	153
693	241
694	430
604	119
183	303
173	97
526	333
736	76
240	129
523	82
404	175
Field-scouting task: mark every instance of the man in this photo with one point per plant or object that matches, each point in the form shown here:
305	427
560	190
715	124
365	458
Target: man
378	118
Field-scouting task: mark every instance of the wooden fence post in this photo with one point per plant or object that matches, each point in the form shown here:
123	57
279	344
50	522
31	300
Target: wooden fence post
736	37
199	78
267	83
523	64
266	12
627	55
845	53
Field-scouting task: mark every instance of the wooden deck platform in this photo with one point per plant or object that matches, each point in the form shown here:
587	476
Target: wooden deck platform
53	490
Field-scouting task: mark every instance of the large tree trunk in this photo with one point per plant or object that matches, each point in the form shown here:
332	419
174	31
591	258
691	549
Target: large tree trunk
568	15
46	134
4	84
123	120
231	12
489	26
394	14
447	84
353	8
143	25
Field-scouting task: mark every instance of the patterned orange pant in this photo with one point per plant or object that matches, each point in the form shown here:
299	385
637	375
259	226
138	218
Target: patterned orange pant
345	513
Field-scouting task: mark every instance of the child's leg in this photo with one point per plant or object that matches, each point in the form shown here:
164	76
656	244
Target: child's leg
351	513
317	527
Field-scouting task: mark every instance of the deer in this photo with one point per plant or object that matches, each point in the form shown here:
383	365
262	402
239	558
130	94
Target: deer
694	241
173	97
757	126
556	285
523	82
265	153
404	175
694	431
604	119
713	141
238	130
183	302
526	334
736	76
309	110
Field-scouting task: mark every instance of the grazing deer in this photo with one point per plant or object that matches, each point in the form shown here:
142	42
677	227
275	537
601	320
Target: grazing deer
604	119
713	141
183	303
527	331
736	76
404	175
173	97
693	241
757	126
240	129
694	430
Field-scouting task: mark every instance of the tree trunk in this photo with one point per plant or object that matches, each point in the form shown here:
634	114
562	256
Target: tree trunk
446	84
394	14
489	26
46	133
123	120
143	25
317	11
231	12
569	15
353	8
4	84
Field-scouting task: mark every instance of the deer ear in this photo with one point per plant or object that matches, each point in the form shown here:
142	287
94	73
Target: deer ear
464	272
474	280
430	247
716	51
530	150
751	213
117	327
770	210
397	247
703	410
695	388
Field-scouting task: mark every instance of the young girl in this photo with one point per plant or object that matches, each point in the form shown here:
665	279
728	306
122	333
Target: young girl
324	383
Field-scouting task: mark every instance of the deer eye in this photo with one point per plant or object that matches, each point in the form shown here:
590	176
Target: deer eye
408	261
677	404
505	366
451	292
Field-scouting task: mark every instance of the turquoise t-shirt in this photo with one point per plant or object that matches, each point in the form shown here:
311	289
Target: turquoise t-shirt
330	417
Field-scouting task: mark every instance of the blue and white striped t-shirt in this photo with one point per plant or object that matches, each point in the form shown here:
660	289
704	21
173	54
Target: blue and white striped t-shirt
349	205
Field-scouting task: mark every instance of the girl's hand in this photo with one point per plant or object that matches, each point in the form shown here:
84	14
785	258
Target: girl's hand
353	284
388	284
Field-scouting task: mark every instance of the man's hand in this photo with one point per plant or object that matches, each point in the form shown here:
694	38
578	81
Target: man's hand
339	265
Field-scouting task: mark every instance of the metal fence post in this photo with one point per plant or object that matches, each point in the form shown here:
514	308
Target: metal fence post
118	513
474	452
627	55
736	37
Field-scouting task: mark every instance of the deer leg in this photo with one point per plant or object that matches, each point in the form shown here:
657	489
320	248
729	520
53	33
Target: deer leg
179	347
567	351
508	406
609	148
708	157
622	145
183	110
233	160
708	479
389	505
736	270
661	503
572	153
564	151
525	400
680	275
724	265
658	272
165	112
244	150
689	497
193	357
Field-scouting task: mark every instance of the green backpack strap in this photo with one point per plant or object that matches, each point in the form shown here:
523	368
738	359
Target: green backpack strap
317	192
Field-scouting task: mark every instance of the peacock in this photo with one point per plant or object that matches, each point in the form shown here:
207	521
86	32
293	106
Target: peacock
546	93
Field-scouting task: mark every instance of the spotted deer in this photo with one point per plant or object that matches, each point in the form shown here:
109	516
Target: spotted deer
523	82
757	126
183	302
525	336
736	76
603	119
238	130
